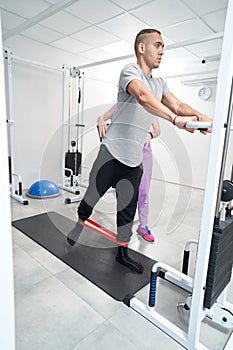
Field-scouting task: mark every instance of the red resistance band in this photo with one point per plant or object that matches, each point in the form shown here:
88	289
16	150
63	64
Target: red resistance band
102	231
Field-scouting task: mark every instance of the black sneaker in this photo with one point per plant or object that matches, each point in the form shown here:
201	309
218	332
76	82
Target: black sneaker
123	258
74	234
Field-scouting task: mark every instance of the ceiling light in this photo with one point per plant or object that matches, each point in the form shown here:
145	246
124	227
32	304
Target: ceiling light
202	81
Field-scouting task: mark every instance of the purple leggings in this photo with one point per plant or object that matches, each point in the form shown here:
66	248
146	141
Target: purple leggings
144	188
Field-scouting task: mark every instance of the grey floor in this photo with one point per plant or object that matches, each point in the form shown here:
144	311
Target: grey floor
58	309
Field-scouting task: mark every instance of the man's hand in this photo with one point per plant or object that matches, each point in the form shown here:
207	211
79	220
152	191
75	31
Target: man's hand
204	118
181	121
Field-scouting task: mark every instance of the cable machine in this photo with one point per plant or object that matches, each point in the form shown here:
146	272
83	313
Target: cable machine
72	144
214	256
15	180
72	129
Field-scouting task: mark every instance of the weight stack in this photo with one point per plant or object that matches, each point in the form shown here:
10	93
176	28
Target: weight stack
73	162
220	261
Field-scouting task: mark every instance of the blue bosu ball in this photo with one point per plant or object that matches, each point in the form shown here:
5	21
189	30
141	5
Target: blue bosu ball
43	189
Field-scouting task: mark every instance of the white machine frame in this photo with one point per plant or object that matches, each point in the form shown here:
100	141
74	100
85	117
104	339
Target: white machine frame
72	124
223	107
16	194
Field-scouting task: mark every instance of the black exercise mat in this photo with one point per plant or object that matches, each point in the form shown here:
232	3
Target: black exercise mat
94	257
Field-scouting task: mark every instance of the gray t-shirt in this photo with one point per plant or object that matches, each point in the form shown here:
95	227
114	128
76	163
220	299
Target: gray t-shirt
127	132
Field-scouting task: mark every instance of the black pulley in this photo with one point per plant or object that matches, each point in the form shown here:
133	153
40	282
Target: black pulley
227	191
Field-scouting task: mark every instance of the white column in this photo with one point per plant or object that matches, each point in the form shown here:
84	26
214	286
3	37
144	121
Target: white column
7	316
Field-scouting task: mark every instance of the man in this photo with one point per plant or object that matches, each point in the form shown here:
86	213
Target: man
140	99
147	164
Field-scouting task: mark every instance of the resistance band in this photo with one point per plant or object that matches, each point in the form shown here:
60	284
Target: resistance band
102	231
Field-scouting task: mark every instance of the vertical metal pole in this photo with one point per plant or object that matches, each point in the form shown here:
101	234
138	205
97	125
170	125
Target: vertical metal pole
10	120
82	129
224	157
64	78
68	85
7	319
223	95
77	108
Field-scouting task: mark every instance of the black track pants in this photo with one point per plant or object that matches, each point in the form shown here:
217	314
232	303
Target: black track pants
109	172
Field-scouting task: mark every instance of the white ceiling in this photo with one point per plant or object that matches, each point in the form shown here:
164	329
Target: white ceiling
96	30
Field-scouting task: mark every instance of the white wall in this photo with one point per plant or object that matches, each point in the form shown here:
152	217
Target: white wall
183	156
37	96
37	104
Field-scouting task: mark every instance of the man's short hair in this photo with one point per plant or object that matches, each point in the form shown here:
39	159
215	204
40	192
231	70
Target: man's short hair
141	37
